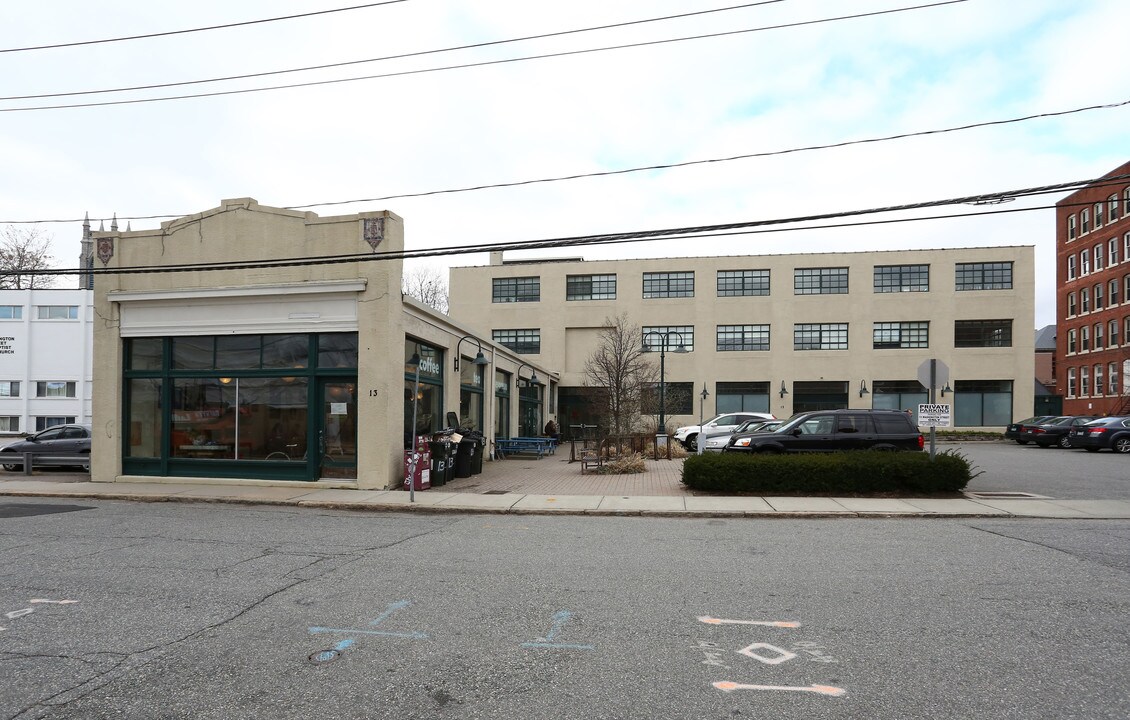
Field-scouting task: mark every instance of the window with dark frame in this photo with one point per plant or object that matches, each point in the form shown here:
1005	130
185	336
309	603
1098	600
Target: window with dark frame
743	283
984	276
524	341
902	278
982	333
668	284
820	281
653	337
590	287
892	335
820	336
516	289
735	338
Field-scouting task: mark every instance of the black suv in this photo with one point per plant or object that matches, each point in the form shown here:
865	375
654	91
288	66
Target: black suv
834	430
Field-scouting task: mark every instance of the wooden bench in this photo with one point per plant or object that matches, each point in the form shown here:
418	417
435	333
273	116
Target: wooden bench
591	459
526	446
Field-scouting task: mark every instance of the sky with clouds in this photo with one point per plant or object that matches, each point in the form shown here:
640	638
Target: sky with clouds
797	78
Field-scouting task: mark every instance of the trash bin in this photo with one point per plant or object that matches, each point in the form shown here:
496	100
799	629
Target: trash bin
464	450
418	477
443	461
477	447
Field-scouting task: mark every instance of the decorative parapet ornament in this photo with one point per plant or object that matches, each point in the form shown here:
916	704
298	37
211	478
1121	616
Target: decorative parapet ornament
374	231
105	249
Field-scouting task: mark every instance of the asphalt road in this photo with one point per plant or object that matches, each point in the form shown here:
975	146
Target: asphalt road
134	610
1061	474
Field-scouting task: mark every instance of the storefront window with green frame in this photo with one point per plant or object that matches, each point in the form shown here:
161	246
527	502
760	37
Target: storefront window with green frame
241	405
428	394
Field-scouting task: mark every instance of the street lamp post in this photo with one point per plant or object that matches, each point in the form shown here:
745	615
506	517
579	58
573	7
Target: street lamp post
681	348
518	391
701	405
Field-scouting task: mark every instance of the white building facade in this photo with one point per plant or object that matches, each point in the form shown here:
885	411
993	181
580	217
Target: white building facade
46	340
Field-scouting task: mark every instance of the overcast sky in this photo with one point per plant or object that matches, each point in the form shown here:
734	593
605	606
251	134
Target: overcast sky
749	93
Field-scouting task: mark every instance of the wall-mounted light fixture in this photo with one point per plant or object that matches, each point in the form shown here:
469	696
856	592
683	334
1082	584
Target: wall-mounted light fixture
783	392
479	358
947	389
533	373
863	388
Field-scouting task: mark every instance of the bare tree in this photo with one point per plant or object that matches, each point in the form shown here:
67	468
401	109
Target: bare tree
22	252
620	366
427	284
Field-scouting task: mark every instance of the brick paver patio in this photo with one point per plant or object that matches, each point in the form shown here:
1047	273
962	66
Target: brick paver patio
555	475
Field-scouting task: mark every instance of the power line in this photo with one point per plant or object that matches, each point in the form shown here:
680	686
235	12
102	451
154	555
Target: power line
746	227
388	57
579	176
196	30
485	63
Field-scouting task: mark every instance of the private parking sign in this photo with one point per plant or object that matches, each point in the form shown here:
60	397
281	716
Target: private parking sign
934	414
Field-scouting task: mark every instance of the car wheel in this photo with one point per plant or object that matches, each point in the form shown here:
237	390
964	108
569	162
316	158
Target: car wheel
1121	445
1065	442
11	468
691	443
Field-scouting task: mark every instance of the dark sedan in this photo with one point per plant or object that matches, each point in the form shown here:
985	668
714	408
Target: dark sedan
58	445
1015	431
1056	432
1109	433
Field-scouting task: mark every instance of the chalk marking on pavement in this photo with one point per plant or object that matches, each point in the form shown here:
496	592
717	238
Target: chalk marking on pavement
728	686
392	607
413	635
53	602
766	623
19	613
559	619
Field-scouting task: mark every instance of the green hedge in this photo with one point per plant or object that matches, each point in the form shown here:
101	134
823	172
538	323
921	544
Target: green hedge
866	472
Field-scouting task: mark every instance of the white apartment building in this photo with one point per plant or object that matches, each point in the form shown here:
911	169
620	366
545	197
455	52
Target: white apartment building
46	339
778	333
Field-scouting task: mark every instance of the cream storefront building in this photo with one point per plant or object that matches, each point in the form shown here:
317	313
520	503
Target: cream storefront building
252	343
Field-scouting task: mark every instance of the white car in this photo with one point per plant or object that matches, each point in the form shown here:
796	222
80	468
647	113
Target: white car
716	442
688	434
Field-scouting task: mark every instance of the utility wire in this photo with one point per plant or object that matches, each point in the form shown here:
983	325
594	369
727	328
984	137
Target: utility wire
746	227
387	57
486	63
561	178
196	30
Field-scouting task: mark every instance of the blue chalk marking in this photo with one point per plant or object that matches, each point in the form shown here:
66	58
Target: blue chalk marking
563	646
392	607
344	645
559	620
343	631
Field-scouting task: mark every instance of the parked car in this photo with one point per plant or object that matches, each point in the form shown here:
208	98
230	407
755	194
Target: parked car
833	430
1015	431
60	441
688	434
716	442
1109	433
1056	432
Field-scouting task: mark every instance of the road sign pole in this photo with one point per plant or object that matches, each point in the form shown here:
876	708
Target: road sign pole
933	399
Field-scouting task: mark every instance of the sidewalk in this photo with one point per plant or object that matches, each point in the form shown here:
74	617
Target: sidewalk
554	486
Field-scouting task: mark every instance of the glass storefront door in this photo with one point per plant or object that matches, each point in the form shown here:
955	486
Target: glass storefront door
337	431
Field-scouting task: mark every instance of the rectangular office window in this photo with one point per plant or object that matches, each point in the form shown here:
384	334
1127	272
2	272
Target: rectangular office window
1085	380
820	336
668	284
1112	372
982	333
16	312
741	397
1113	327
1085	338
1071	229
1112	251
52	388
1071	342
984	276
1084	262
9	423
982	403
1085	221
57	312
1071	267
902	278
734	338
677	399
9	388
590	287
668	337
523	342
1112	204
733	283
1097	252
44	422
901	335
519	289
820	281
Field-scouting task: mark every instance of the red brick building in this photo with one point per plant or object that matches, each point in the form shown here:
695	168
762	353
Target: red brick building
1093	297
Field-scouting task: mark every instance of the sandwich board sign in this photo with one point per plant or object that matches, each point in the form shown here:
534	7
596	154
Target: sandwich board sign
934	414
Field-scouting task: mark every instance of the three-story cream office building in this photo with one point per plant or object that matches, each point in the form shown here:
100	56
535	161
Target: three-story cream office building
779	333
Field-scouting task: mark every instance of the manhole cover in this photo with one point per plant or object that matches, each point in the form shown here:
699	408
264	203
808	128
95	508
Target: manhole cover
1006	496
11	510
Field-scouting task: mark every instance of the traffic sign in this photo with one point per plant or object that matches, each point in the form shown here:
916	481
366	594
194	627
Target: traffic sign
941	374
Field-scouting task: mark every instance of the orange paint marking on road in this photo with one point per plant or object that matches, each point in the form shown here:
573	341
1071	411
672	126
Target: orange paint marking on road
729	686
765	623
